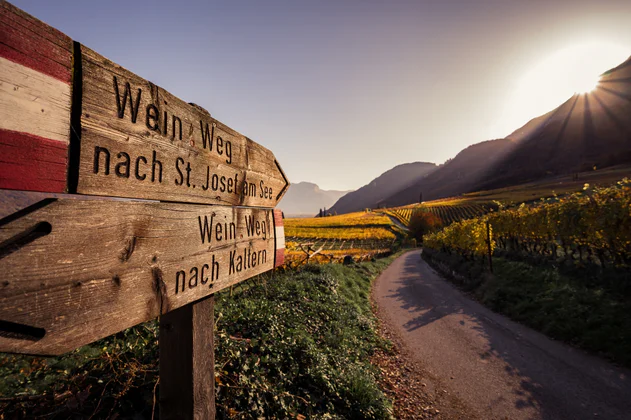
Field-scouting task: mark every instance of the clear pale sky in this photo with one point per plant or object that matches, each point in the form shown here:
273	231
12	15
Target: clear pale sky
342	91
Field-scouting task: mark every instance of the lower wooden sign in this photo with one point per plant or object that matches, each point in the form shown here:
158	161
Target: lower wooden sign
74	271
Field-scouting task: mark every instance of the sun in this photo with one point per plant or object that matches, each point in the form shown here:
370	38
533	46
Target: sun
587	84
575	69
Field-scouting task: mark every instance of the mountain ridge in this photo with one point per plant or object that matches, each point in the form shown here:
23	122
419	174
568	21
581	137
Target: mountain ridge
587	131
377	189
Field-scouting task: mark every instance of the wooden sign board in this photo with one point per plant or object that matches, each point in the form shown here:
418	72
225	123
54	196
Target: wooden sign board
74	271
138	140
129	137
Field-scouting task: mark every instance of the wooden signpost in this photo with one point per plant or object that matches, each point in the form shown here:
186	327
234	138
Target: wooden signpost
101	257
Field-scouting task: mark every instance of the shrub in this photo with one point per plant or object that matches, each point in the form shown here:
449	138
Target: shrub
423	223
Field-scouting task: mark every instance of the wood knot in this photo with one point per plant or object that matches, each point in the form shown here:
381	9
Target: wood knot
160	289
129	249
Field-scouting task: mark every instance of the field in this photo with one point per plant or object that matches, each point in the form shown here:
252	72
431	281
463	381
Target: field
360	234
447	210
588	227
365	234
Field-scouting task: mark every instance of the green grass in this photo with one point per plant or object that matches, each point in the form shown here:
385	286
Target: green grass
588	312
286	344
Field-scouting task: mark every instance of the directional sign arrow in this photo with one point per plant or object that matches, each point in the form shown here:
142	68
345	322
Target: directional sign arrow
75	270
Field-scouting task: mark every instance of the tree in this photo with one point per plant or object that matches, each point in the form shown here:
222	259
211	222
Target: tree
420	198
423	223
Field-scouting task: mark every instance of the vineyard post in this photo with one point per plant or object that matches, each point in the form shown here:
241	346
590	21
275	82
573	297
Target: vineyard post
488	242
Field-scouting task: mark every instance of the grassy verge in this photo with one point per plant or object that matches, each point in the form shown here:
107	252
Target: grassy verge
590	314
288	345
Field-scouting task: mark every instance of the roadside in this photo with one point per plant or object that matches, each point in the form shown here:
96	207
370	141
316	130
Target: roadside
415	393
492	368
288	344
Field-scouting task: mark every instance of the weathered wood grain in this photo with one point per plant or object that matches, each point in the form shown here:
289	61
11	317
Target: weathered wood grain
139	141
74	271
35	102
187	362
134	139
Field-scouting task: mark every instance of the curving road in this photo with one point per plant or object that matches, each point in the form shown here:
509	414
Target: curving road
496	368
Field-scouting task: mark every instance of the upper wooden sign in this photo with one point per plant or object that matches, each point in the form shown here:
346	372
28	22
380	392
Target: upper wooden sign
129	138
76	270
138	140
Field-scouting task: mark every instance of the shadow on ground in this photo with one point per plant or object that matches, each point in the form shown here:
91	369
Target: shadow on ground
545	379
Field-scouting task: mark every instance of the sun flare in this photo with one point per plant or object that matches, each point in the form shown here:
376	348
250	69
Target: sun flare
587	85
572	70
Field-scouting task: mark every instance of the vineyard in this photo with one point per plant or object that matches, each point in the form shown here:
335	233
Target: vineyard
448	211
593	226
588	226
361	235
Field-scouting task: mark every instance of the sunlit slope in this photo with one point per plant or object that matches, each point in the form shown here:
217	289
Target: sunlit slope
588	130
456	176
591	130
361	235
360	225
478	203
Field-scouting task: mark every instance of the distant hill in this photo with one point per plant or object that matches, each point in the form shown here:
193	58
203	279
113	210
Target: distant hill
587	131
379	188
456	176
305	198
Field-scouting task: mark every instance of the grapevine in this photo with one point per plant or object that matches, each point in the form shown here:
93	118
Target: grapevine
589	226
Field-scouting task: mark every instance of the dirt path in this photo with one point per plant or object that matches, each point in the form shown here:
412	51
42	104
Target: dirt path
495	368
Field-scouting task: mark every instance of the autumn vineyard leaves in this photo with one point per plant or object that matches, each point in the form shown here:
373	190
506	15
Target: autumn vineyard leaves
592	226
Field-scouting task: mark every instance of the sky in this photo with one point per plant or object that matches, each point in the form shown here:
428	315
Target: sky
341	91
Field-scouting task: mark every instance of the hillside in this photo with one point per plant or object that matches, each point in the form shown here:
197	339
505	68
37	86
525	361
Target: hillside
588	130
305	198
379	188
456	176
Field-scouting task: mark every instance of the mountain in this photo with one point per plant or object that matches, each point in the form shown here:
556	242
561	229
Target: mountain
587	131
456	176
379	188
305	198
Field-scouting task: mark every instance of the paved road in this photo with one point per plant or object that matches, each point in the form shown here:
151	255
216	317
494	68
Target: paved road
498	369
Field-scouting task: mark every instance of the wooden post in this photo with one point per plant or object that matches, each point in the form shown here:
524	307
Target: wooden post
187	362
488	242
